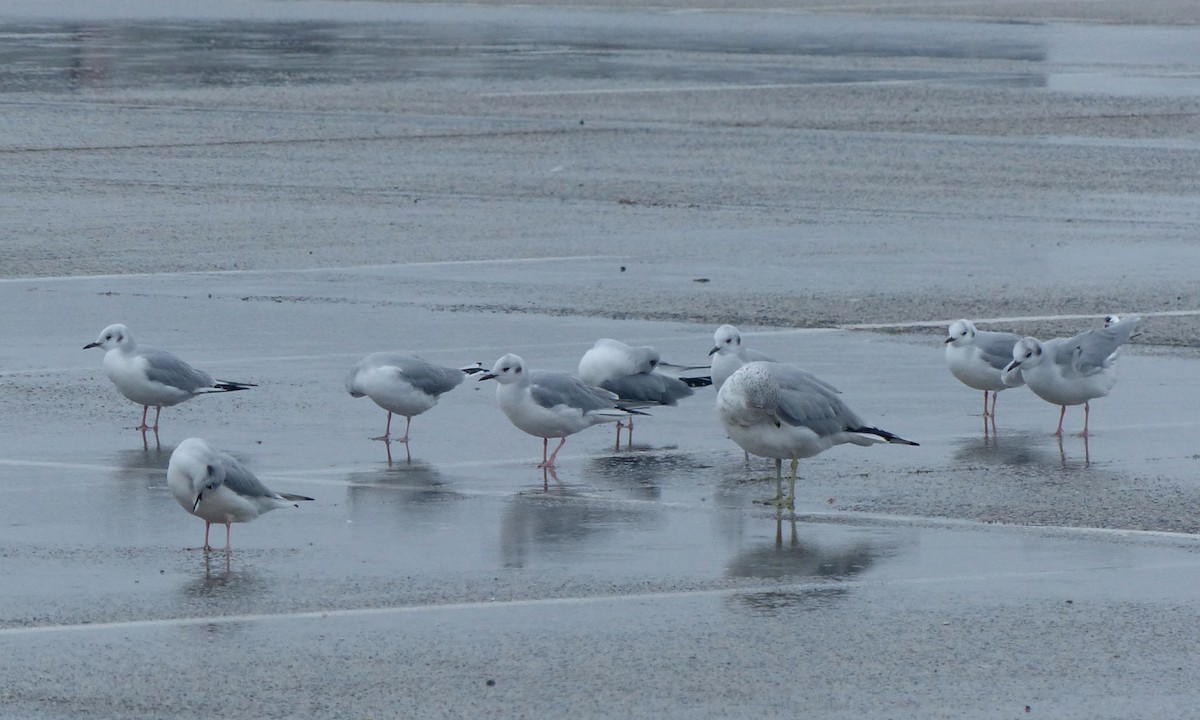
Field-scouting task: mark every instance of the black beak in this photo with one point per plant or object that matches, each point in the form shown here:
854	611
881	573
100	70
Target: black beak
714	350
89	346
1012	366
949	340
486	376
197	503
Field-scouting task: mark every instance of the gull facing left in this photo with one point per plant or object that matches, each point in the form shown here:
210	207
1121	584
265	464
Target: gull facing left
152	377
783	412
978	358
550	404
215	487
1074	370
403	384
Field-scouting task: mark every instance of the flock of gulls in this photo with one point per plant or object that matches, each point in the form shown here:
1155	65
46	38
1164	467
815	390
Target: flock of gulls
771	409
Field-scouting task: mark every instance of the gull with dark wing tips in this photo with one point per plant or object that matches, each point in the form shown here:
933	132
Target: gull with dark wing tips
215	487
1074	370
633	374
404	385
978	358
152	377
550	404
786	413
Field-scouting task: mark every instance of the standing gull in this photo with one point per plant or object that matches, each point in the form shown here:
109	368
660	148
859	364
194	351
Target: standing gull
216	488
1075	370
402	384
978	358
152	377
728	354
633	374
782	412
550	404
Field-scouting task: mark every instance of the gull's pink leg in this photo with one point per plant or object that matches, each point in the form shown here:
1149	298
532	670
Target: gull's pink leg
985	405
144	427
995	395
157	410
228	527
617	447
1061	415
550	463
387	432
545	449
629	444
1086	412
407	422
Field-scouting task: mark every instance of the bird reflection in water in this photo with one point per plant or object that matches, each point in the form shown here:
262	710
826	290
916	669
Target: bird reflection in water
562	523
790	558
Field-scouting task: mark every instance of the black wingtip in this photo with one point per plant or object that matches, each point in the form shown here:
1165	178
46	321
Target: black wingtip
472	369
890	437
631	411
230	386
695	382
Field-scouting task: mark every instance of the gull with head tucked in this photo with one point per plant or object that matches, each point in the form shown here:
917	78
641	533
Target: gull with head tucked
152	377
1074	370
403	384
550	404
786	413
634	374
215	487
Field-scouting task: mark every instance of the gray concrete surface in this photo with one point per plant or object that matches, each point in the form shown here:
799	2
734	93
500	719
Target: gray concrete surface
272	190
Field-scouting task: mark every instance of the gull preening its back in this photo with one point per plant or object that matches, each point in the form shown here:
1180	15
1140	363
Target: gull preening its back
215	487
978	358
786	413
1074	370
550	404
152	377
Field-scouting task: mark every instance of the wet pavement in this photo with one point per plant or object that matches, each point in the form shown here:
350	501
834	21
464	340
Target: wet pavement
272	191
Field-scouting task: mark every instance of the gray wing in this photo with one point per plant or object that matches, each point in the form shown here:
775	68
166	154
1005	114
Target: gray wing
240	480
807	401
996	347
163	367
1090	351
796	377
648	388
756	356
423	375
553	388
427	377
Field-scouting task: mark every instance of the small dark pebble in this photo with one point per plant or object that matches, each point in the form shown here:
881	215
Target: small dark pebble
622	268
491	683
700	280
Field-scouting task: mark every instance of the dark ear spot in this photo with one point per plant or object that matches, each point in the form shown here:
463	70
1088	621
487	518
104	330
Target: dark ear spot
210	470
517	370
